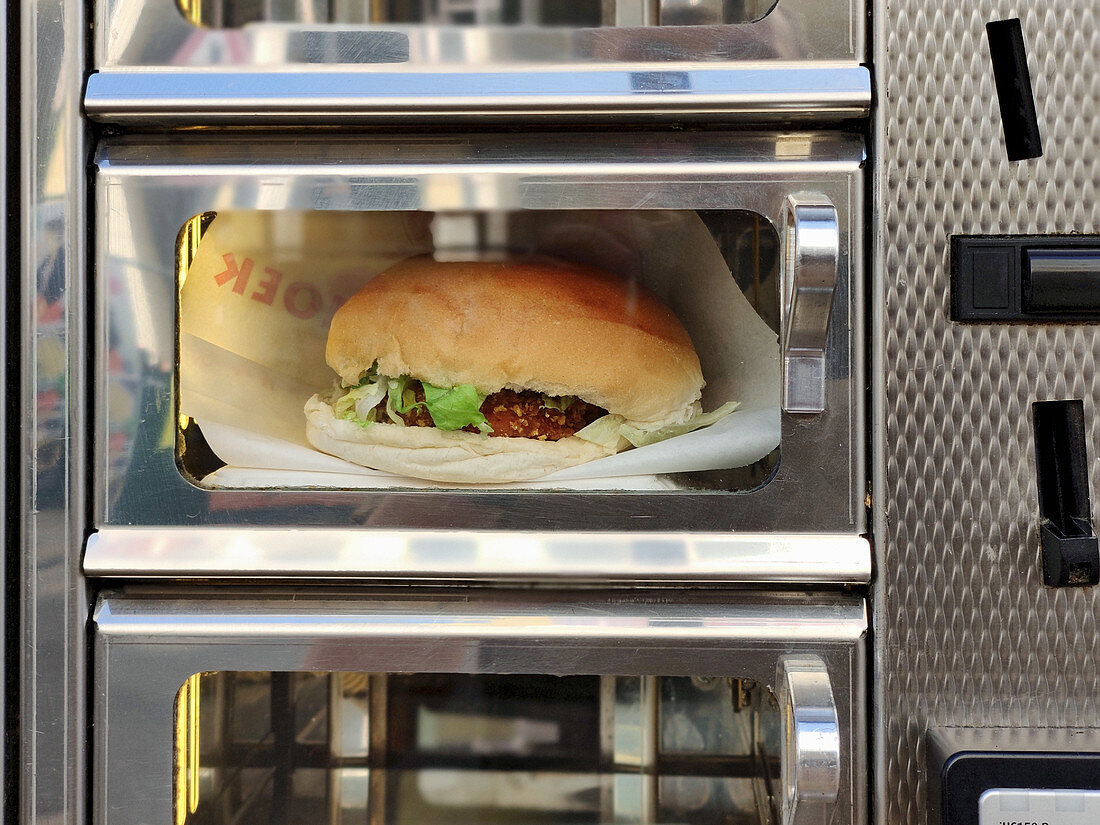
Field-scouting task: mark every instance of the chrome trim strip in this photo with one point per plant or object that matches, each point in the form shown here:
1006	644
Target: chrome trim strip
820	91
480	555
261	620
50	397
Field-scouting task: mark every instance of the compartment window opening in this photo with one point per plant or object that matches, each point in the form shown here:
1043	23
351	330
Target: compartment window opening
446	748
268	399
463	13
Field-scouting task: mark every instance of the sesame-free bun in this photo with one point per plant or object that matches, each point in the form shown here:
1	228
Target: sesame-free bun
458	457
526	324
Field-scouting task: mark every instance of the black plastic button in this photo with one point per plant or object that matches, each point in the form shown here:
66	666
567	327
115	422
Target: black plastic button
1060	280
1026	278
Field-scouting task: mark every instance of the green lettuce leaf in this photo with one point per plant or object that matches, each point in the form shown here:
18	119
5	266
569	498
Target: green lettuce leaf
603	431
358	403
399	398
607	431
455	407
560	403
640	438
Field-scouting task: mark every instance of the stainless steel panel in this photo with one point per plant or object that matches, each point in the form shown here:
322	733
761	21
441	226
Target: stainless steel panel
759	93
120	552
49	499
146	647
966	633
147	189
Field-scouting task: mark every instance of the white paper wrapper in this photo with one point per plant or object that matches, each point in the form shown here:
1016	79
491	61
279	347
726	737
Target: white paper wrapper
258	297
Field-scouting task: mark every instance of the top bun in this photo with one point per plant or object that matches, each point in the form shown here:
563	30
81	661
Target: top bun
527	324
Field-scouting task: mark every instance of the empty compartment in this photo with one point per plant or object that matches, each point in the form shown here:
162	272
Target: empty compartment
407	748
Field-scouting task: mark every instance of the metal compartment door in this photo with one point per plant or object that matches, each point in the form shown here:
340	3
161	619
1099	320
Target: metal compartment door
155	655
804	524
237	62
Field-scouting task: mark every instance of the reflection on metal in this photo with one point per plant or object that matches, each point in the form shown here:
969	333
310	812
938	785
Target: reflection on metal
149	188
47	486
811	242
494	637
379	743
759	93
628	13
188	244
331	553
706	12
575	14
187	750
237	13
636	740
192	11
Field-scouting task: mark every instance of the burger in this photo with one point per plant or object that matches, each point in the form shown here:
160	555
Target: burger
502	371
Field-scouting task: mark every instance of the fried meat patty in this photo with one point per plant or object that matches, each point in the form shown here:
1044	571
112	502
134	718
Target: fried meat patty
521	415
512	414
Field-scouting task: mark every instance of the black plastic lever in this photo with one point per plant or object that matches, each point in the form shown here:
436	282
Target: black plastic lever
1013	80
1071	552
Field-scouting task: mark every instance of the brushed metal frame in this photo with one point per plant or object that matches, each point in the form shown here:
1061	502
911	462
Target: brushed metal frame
146	646
50	499
146	189
153	66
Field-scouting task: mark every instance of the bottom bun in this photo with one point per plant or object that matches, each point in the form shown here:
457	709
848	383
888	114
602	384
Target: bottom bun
437	455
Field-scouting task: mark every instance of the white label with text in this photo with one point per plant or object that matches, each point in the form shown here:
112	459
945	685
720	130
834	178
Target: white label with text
1022	806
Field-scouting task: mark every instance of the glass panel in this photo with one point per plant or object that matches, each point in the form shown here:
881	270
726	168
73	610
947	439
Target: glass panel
407	748
572	14
603	293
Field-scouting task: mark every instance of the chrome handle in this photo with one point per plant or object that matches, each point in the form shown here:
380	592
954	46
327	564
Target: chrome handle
811	255
810	767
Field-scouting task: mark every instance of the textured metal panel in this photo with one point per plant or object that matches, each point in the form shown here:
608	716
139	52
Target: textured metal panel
966	634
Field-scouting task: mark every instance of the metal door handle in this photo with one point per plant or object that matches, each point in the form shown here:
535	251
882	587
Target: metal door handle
811	255
810	767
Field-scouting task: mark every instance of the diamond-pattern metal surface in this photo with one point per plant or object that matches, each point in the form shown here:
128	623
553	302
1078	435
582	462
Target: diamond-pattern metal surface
966	633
